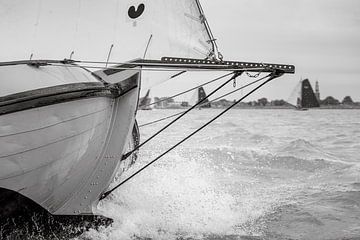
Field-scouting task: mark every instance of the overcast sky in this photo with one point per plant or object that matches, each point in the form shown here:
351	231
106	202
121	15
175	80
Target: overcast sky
320	37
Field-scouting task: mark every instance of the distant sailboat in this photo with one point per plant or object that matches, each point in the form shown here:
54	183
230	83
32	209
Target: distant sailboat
144	102
303	96
199	96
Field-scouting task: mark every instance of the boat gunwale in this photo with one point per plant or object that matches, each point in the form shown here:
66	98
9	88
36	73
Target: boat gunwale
36	62
65	93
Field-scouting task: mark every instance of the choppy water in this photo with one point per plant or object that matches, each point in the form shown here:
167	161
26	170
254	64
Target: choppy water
253	174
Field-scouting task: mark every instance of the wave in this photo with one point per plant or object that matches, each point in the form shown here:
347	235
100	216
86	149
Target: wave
187	196
345	199
237	159
303	149
232	184
356	185
236	137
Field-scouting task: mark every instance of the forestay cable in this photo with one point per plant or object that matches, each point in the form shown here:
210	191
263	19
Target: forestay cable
235	75
227	94
194	88
275	74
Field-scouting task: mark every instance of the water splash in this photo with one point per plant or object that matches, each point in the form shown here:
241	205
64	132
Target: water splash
182	198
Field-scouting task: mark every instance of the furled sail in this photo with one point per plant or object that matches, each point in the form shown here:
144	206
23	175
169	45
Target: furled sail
88	29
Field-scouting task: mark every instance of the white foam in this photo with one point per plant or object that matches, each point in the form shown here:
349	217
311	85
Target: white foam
178	197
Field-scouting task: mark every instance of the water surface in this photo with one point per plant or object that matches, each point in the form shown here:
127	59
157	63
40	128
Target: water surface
253	174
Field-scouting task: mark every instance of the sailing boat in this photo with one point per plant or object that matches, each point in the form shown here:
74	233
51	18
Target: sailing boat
200	96
65	127
303	96
66	124
144	102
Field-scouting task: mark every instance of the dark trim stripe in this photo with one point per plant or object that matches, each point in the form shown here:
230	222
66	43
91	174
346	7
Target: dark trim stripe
65	93
123	67
51	91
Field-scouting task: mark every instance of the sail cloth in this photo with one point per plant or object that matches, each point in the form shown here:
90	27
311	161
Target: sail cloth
295	97
308	99
198	96
303	96
203	98
53	29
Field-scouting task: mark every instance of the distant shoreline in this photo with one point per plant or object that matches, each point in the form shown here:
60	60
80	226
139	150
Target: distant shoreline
347	107
329	107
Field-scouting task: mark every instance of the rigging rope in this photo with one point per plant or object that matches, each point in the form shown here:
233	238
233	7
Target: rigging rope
125	156
274	75
182	93
159	68
225	95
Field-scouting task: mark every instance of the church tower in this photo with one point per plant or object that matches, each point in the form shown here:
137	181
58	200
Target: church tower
317	91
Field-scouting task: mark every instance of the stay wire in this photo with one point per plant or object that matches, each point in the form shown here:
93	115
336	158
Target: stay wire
189	90
225	95
235	75
241	88
158	68
274	75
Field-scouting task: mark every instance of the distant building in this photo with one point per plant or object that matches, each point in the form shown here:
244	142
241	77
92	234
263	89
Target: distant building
169	103
317	91
221	103
163	102
185	104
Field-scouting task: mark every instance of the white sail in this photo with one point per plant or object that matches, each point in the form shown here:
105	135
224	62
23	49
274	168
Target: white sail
53	29
194	98
295	97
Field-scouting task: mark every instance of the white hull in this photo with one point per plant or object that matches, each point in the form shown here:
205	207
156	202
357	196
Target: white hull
64	156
